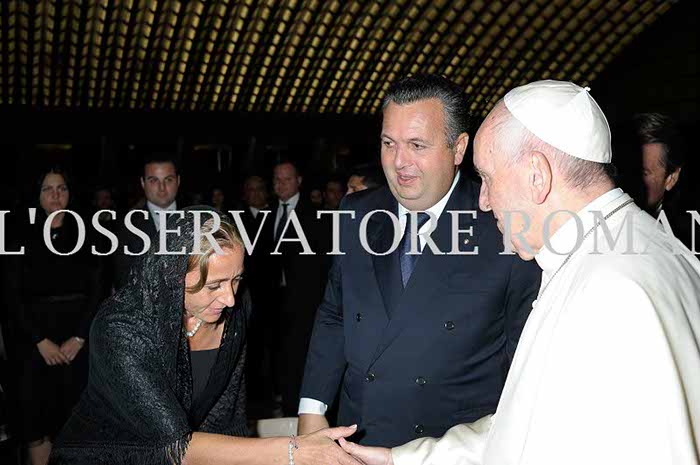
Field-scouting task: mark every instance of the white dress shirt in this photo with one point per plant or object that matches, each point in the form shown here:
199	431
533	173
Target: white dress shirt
291	205
155	212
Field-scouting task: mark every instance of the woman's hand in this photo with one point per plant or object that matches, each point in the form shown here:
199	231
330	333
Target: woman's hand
52	353
320	448
71	347
368	455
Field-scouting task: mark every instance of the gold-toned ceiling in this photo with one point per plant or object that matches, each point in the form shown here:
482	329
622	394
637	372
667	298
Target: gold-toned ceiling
298	56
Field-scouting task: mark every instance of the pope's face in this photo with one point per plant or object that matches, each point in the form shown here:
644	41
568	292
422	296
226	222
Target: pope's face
502	192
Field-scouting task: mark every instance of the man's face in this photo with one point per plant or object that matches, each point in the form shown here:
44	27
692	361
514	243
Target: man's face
217	198
254	193
286	181
502	193
656	182
103	199
333	194
356	184
316	197
160	183
418	164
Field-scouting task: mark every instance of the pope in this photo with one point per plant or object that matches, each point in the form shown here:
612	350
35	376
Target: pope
606	371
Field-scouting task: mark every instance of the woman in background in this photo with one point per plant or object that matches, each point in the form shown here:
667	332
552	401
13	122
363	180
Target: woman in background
53	299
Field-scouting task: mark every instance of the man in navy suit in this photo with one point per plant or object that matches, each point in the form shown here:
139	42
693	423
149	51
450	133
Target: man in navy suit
417	343
297	279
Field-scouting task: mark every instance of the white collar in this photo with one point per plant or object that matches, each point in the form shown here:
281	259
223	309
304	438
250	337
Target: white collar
155	208
567	236
291	202
435	209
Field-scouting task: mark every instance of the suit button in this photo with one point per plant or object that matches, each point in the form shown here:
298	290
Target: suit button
420	381
370	377
358	317
419	429
449	325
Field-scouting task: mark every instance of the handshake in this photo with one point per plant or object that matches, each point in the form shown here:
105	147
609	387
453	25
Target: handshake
320	448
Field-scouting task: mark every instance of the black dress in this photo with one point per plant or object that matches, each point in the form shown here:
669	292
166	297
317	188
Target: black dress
50	297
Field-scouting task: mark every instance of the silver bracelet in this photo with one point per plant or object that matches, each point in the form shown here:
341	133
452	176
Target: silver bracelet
291	447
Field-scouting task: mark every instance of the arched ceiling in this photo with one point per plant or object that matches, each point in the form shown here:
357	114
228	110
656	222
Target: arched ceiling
298	56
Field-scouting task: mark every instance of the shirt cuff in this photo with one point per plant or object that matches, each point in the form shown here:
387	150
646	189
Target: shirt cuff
312	406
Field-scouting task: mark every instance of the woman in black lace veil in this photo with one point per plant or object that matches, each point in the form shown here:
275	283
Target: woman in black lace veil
167	361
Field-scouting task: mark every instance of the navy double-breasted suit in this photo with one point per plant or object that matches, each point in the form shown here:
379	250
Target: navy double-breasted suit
414	362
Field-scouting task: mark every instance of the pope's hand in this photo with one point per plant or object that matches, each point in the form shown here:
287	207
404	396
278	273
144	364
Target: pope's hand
320	448
368	455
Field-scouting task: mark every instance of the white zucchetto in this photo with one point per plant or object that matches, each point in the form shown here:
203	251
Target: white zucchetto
563	115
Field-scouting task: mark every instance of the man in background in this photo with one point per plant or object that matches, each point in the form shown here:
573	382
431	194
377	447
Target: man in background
160	182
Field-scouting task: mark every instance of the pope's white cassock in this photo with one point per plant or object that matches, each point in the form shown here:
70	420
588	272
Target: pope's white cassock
607	370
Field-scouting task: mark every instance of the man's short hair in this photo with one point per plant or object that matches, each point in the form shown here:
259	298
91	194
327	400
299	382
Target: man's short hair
371	174
431	86
255	178
657	128
160	157
288	162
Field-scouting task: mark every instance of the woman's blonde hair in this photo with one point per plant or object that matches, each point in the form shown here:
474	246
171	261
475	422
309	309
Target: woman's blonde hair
226	236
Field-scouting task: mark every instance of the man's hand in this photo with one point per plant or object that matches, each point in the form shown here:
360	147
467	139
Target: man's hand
320	448
51	353
368	455
71	347
310	423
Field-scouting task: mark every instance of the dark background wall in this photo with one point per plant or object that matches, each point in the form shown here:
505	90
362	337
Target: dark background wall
657	72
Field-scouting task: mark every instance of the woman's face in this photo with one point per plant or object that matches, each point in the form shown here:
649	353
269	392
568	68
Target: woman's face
224	275
54	193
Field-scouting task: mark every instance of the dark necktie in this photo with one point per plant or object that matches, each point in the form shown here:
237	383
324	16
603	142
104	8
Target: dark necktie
408	261
282	222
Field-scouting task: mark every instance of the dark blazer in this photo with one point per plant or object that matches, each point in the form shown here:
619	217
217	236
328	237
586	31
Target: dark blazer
122	263
305	277
415	362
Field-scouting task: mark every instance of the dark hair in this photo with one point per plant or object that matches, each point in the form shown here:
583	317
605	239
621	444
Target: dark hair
55	169
288	162
428	86
160	157
657	128
371	174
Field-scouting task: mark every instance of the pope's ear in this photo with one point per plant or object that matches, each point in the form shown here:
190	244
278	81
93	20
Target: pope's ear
539	176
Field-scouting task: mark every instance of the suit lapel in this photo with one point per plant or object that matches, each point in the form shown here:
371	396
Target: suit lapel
430	268
380	232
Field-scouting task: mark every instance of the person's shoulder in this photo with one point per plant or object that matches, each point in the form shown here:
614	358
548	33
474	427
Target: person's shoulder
377	198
